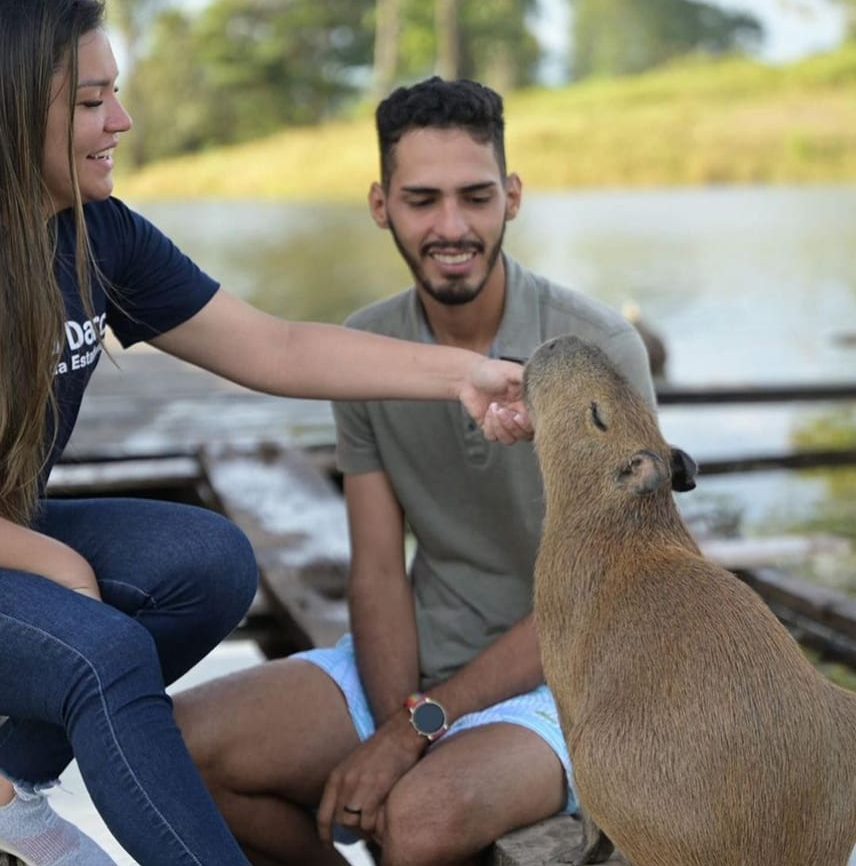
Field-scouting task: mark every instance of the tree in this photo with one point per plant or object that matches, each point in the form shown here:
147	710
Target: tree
493	41
275	63
170	96
811	7
244	68
622	37
239	69
446	17
497	46
386	45
133	19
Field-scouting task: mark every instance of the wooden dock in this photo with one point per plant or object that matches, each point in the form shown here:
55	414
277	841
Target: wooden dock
158	427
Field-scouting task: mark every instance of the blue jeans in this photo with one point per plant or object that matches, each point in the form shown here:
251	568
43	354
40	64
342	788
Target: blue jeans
84	679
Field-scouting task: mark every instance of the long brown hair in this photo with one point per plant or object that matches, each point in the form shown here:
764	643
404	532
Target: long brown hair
37	39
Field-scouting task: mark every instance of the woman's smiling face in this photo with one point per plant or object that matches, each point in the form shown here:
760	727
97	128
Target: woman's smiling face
99	118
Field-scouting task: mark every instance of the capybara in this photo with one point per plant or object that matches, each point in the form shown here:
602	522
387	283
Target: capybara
699	733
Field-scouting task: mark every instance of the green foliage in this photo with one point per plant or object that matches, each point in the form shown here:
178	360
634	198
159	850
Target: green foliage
840	674
624	37
850	9
133	17
496	46
241	69
244	68
170	93
833	429
697	122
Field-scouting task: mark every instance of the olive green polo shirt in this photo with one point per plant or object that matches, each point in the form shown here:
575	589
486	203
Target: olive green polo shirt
474	507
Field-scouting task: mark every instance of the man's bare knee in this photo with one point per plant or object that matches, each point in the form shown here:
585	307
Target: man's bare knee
206	733
245	736
425	828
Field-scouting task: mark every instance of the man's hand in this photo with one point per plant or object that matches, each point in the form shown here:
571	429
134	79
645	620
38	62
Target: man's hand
357	789
493	395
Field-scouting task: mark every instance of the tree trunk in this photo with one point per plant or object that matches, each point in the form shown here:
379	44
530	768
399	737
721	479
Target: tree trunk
448	39
387	28
129	16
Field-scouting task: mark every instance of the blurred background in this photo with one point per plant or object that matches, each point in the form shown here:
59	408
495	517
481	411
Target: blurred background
690	163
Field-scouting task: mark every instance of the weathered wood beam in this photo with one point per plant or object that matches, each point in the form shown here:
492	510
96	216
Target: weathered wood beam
672	395
82	479
540	844
810	459
747	553
820	618
295	518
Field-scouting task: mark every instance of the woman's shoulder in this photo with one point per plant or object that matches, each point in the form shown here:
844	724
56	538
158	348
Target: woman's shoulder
119	235
111	216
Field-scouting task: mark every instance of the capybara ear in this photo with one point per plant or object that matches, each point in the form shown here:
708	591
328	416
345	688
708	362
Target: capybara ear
644	474
684	471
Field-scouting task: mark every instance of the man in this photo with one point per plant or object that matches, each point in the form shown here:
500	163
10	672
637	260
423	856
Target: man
348	731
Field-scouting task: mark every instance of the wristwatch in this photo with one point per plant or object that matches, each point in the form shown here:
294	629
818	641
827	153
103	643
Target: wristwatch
427	716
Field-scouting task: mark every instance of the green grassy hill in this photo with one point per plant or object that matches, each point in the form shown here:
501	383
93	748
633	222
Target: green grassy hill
725	122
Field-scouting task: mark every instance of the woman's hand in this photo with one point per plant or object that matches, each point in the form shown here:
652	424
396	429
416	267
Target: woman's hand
493	395
23	549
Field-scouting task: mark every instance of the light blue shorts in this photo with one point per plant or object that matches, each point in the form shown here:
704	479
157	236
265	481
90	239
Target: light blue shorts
535	710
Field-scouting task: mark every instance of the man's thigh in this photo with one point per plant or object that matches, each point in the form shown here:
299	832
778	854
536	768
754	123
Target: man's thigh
483	783
277	728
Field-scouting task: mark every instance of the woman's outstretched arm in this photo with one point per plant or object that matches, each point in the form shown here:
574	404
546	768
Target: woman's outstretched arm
310	360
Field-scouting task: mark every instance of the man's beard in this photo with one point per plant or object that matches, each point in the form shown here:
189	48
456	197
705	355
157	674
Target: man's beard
454	292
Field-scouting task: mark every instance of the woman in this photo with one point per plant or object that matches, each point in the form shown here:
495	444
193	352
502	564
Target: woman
104	602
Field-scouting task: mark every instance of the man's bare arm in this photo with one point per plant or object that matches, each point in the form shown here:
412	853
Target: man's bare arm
510	666
380	599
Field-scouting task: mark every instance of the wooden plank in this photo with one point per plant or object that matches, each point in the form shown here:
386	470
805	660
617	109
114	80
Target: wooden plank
810	459
834	609
90	478
155	405
820	618
744	553
295	518
540	843
671	395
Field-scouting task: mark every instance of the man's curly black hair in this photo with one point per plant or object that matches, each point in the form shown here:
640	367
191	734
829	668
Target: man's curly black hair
439	104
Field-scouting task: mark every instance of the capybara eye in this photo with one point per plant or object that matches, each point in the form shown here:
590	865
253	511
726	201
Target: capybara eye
595	416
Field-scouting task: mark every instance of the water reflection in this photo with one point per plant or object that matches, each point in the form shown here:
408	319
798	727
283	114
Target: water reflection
754	285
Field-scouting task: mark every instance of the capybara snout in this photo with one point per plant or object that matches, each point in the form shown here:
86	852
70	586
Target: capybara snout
589	418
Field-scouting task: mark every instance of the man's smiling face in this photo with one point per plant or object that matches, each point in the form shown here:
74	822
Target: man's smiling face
446	206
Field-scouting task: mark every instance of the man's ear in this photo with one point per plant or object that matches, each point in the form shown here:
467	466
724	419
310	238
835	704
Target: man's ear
377	205
513	195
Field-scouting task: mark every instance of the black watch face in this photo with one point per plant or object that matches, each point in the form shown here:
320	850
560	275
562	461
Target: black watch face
429	719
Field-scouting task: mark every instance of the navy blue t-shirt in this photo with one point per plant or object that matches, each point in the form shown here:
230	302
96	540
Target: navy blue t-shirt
151	287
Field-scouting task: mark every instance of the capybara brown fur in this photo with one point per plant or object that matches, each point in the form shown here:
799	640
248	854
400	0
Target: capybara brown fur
699	733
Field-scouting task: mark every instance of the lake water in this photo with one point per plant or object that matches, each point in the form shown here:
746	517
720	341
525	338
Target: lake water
746	286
